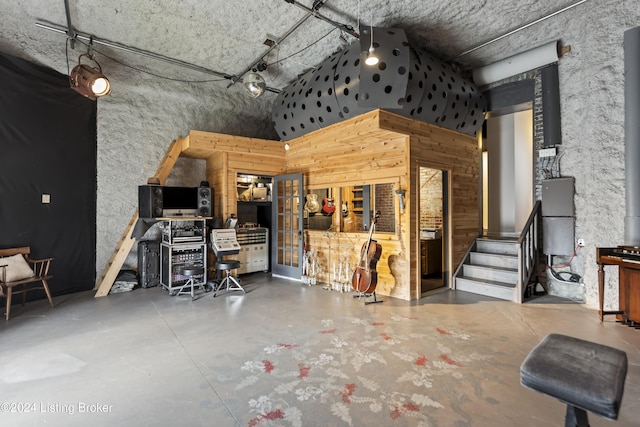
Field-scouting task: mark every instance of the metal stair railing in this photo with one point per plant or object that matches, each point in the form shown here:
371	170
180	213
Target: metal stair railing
528	251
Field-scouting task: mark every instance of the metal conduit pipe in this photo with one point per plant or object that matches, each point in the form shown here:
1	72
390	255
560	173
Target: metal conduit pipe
520	28
344	27
632	136
295	26
313	11
114	45
71	34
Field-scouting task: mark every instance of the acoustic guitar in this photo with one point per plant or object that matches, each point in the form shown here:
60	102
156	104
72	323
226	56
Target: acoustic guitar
312	205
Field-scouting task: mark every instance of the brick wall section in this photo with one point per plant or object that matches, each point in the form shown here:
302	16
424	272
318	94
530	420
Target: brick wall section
384	201
431	215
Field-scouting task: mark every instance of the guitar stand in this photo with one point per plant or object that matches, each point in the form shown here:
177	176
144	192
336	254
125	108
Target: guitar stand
362	294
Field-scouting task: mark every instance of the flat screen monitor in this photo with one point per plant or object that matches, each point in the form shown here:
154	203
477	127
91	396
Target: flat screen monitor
180	201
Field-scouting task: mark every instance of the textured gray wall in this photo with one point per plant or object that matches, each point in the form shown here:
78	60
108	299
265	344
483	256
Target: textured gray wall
140	118
592	104
135	128
144	114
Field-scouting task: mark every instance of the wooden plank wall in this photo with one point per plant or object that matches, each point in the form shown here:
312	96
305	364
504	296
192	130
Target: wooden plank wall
228	155
218	180
357	152
458	154
376	147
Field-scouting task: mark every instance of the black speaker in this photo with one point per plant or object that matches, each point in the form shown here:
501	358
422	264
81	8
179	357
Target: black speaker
149	201
205	201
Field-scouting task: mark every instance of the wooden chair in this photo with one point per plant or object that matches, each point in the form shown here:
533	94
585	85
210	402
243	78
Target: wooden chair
15	273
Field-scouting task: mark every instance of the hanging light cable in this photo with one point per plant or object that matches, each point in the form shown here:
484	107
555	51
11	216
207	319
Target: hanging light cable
372	59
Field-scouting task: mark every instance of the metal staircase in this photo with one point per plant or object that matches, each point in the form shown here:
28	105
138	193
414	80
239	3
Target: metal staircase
501	268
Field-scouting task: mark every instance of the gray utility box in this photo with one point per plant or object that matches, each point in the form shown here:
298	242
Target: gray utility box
557	197
558	236
558	221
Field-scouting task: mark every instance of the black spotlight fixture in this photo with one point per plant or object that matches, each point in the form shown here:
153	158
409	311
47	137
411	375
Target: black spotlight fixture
88	80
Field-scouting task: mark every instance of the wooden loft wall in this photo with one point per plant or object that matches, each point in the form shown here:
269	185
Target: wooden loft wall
349	153
222	153
355	151
458	154
228	155
376	147
379	147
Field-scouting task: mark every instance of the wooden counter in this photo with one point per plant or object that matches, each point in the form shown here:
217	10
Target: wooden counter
431	256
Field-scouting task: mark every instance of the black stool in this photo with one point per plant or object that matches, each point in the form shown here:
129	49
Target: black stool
584	375
191	271
229	282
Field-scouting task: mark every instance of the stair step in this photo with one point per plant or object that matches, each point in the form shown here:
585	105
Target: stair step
494	260
505	247
491	288
497	274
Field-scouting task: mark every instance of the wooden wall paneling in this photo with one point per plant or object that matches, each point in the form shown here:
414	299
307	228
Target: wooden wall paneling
216	175
353	178
376	147
256	163
360	128
203	144
459	154
230	190
406	255
413	228
339	166
390	281
354	153
228	155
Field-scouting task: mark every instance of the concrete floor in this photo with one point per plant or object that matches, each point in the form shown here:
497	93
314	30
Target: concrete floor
289	355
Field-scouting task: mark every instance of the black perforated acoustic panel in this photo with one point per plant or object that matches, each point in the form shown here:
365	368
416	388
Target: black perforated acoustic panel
384	85
405	81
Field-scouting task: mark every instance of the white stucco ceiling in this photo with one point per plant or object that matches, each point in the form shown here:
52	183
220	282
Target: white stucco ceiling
227	36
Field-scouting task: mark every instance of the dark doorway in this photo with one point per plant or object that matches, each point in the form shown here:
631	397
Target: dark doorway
433	194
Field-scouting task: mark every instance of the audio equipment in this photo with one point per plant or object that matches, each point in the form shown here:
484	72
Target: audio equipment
156	201
224	242
205	198
150	202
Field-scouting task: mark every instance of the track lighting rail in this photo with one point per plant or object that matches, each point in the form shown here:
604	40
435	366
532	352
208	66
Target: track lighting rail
74	35
314	11
104	42
119	46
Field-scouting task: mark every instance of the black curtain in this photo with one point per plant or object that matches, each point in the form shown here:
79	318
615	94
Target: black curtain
48	146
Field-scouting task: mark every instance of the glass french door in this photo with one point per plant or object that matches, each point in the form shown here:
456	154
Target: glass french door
287	210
